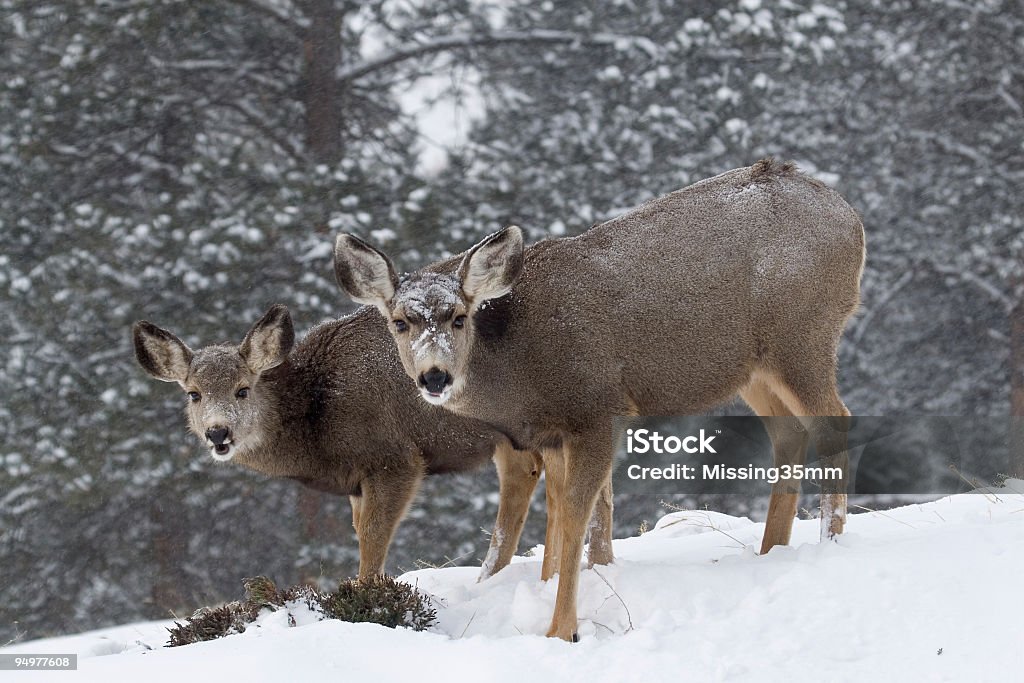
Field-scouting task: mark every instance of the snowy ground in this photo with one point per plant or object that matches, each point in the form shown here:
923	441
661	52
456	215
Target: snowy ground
926	592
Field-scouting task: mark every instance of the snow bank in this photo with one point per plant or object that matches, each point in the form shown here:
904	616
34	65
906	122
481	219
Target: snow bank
924	592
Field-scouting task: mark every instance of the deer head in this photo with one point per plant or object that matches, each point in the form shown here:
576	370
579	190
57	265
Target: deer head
228	405
431	314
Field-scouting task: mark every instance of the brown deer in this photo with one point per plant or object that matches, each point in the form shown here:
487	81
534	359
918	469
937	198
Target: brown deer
338	414
739	284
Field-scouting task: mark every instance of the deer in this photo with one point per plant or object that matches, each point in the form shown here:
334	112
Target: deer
737	285
336	413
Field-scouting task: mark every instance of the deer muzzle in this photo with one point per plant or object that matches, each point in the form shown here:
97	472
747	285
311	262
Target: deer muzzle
434	381
220	437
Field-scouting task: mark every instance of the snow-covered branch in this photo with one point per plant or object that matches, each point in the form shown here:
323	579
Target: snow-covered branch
254	118
883	300
201	64
1010	100
353	72
951	146
293	22
981	283
237	70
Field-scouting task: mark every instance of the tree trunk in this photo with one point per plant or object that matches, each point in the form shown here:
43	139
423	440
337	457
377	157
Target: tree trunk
321	525
169	591
321	90
1017	378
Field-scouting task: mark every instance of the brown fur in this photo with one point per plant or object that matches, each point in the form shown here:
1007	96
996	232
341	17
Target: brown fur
338	414
738	284
768	168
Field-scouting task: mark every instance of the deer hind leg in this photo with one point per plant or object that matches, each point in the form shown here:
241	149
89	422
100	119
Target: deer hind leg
810	393
588	463
554	482
518	474
600	549
789	446
830	440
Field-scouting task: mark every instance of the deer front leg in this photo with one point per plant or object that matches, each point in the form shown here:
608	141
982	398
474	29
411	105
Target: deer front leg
554	481
385	500
356	502
518	473
588	464
600	549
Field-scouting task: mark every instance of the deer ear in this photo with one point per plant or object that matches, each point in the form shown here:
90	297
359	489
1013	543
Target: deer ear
365	273
491	267
269	341
160	353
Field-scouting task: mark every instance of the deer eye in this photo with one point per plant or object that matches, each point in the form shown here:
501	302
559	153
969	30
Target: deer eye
194	396
242	393
401	326
459	322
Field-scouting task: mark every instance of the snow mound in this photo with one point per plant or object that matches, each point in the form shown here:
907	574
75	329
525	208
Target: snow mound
688	522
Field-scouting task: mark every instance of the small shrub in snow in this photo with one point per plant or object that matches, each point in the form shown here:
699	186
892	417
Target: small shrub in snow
383	601
207	623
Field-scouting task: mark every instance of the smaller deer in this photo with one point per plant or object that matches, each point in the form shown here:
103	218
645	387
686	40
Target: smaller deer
338	414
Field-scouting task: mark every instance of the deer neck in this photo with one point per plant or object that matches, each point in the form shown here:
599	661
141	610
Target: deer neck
285	446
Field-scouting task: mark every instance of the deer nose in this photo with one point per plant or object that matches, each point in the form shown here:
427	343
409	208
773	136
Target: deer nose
435	380
217	435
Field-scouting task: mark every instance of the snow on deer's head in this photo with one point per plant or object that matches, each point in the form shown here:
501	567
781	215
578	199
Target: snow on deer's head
431	314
